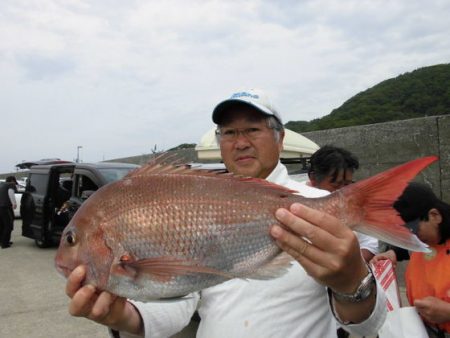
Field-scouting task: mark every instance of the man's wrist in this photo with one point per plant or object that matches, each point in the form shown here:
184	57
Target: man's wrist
130	321
363	291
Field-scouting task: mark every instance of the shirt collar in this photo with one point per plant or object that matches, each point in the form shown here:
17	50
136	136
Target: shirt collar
279	175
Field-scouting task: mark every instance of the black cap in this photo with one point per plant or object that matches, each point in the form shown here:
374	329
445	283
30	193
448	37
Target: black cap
415	203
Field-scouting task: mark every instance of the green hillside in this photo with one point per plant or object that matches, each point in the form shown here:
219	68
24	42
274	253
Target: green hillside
423	92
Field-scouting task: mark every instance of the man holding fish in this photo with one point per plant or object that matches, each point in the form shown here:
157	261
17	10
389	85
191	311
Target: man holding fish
254	296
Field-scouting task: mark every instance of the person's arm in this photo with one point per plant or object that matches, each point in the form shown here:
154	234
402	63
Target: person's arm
12	197
401	254
155	319
331	256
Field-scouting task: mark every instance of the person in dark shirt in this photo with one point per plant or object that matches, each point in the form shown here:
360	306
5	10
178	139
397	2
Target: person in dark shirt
7	204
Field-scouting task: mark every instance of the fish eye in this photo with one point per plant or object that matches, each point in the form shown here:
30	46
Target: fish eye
70	238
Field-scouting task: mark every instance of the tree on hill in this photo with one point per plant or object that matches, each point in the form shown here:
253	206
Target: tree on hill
183	146
423	92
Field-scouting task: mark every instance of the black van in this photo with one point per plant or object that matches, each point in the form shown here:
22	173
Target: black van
54	192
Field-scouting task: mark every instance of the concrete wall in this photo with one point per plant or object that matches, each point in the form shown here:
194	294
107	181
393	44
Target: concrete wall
383	145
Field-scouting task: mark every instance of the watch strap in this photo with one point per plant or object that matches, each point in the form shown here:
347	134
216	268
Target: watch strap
363	291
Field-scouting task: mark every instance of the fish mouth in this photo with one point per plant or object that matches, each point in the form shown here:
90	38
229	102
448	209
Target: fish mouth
63	270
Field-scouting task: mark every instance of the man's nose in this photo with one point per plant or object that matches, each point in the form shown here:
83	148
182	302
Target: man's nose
241	141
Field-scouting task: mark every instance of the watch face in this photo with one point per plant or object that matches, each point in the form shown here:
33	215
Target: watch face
365	289
365	292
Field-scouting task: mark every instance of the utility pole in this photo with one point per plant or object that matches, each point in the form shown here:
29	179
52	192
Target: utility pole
78	153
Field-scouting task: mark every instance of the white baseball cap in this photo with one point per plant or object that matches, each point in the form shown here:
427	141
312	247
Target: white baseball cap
253	97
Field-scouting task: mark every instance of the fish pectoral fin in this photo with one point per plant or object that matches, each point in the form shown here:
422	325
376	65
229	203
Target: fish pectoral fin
123	270
165	268
122	267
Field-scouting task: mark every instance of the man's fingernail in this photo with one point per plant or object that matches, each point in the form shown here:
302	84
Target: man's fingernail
275	231
280	213
78	270
90	287
296	207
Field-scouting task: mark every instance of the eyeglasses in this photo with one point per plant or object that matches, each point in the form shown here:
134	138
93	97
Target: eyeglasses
340	184
231	134
413	226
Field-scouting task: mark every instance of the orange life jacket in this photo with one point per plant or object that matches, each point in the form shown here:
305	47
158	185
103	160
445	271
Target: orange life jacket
428	274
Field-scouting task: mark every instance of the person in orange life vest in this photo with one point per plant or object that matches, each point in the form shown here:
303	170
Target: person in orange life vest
427	275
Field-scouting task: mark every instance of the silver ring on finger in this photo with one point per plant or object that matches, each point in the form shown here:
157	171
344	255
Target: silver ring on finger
305	247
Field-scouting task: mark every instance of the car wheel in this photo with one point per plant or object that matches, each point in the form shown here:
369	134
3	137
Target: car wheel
42	242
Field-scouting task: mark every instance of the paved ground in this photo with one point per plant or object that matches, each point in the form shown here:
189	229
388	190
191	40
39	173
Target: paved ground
32	299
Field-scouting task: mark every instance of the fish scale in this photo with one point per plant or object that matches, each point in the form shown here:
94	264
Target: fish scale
219	239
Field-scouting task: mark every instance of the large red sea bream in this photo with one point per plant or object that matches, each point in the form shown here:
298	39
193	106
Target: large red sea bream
164	231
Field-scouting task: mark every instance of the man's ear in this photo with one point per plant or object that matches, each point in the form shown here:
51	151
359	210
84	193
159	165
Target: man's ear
435	216
282	134
312	178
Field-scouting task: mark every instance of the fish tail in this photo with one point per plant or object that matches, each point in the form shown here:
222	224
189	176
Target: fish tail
375	197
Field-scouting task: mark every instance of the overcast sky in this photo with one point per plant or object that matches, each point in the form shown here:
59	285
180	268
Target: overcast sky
119	77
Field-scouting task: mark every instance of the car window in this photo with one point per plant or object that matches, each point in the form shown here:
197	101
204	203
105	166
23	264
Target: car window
114	174
84	183
38	183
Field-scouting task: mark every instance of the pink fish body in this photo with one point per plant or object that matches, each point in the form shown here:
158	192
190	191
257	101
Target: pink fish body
165	231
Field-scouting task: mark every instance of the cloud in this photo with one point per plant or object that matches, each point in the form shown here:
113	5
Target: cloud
118	77
40	68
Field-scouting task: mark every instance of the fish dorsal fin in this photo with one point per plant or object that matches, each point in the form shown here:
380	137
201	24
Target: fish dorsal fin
167	164
164	163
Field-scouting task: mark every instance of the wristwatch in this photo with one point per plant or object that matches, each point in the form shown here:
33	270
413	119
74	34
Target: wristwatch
363	291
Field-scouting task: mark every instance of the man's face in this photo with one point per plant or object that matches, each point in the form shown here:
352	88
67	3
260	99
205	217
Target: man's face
253	154
343	178
428	230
